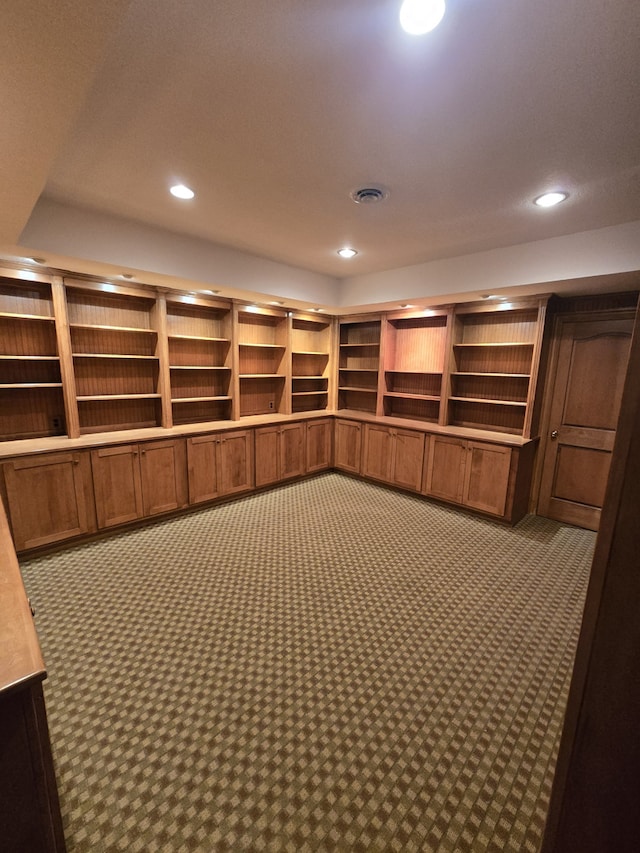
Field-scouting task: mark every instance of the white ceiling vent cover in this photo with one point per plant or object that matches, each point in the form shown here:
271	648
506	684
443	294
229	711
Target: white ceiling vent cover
369	195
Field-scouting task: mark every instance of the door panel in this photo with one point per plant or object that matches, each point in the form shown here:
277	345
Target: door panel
376	456
162	475
408	459
203	468
487	477
292	441
267	455
347	446
591	365
319	434
116	481
445	473
236	461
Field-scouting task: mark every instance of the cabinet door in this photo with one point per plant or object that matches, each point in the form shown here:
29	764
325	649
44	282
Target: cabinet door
486	479
47	498
203	469
408	458
116	484
236	461
445	471
377	452
319	444
292	456
267	455
163	476
348	446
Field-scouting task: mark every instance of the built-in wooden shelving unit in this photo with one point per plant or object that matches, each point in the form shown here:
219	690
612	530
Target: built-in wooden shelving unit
31	398
414	360
200	359
359	364
494	365
263	342
79	357
310	362
114	346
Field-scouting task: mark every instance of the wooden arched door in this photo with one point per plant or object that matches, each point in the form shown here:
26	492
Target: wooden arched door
591	362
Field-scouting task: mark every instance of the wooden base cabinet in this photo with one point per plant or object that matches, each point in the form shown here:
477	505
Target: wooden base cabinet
319	444
348	445
479	475
280	452
393	455
137	480
49	498
220	464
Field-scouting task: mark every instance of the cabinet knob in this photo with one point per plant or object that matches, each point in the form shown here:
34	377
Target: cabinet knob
554	434
143	452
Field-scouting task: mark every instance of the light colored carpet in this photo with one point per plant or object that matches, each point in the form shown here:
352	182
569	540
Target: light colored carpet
328	666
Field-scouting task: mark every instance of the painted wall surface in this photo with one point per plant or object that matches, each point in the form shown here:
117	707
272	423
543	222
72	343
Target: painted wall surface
66	230
590	253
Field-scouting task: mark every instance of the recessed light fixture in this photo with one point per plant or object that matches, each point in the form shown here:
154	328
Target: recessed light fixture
317	310
37	260
418	17
347	252
127	275
277	302
211	292
180	191
550	199
407	305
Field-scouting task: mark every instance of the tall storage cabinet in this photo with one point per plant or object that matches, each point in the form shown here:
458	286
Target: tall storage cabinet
359	364
311	362
263	345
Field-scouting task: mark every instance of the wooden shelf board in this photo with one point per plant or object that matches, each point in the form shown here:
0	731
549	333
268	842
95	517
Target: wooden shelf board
29	358
100	328
197	367
497	375
343	346
358	369
10	315
113	397
109	355
352	388
310	377
307	393
262	346
501	344
198	338
401	395
262	376
309	352
17	385
197	399
488	401
415	372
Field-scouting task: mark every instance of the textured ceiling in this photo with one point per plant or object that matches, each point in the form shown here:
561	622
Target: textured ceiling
273	112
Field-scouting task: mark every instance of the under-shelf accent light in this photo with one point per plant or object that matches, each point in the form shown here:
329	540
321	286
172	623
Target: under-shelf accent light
418	17
550	199
347	252
180	191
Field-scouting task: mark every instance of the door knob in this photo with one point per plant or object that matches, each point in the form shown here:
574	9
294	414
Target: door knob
554	434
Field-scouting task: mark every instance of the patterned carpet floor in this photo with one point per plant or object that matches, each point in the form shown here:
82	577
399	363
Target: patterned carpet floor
328	666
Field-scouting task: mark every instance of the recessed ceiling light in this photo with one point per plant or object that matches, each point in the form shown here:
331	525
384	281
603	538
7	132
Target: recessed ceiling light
347	252
407	305
127	275
37	260
211	292
180	191
317	310
550	199
277	302
418	17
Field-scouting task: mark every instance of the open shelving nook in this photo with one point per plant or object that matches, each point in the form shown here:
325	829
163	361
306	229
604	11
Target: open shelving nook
200	359
31	398
494	364
263	338
114	345
310	362
359	362
414	361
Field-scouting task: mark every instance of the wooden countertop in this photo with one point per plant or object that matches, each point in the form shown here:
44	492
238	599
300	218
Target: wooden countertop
26	447
20	656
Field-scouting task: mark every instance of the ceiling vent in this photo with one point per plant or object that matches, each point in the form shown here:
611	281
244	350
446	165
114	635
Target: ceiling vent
369	195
